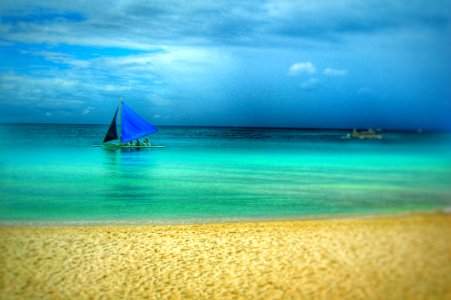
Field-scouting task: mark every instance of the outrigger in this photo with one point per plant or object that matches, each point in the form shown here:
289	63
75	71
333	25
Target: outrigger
132	127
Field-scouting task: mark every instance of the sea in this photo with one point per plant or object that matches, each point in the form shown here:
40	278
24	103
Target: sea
52	174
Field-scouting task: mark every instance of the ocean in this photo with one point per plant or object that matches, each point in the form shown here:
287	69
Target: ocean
52	174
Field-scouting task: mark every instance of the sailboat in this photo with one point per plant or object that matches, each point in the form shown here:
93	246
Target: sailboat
132	127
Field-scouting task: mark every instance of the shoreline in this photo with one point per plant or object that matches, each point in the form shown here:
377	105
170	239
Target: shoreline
386	257
212	221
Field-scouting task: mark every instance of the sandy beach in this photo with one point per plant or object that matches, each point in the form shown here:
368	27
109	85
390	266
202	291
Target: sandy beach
402	257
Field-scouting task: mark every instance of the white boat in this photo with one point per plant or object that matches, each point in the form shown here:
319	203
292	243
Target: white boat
367	134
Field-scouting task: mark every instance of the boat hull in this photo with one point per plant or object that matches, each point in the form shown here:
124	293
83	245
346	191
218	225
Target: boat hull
364	137
119	146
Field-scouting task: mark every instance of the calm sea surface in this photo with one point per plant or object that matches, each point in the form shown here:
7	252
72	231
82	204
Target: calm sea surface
51	173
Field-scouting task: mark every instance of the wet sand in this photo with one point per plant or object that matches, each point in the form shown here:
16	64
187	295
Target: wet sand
403	257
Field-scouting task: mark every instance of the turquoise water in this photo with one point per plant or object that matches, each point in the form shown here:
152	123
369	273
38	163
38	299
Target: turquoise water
50	173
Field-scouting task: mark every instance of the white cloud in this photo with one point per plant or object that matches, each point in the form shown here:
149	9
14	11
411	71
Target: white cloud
87	110
158	100
301	67
309	84
18	80
335	72
59	58
144	24
110	88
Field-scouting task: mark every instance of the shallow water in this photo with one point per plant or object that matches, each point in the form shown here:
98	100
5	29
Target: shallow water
52	173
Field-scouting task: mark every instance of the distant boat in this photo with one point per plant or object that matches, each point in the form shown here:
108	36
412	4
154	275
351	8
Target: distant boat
132	127
364	134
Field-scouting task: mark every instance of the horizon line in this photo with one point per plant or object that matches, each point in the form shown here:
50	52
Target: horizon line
419	130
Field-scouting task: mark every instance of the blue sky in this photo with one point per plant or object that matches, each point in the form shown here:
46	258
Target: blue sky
324	64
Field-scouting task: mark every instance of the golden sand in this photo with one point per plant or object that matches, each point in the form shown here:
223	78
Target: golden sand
405	257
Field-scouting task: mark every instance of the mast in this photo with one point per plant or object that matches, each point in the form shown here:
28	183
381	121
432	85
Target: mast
120	118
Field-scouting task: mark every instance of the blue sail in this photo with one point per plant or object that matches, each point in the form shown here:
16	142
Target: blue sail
133	126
